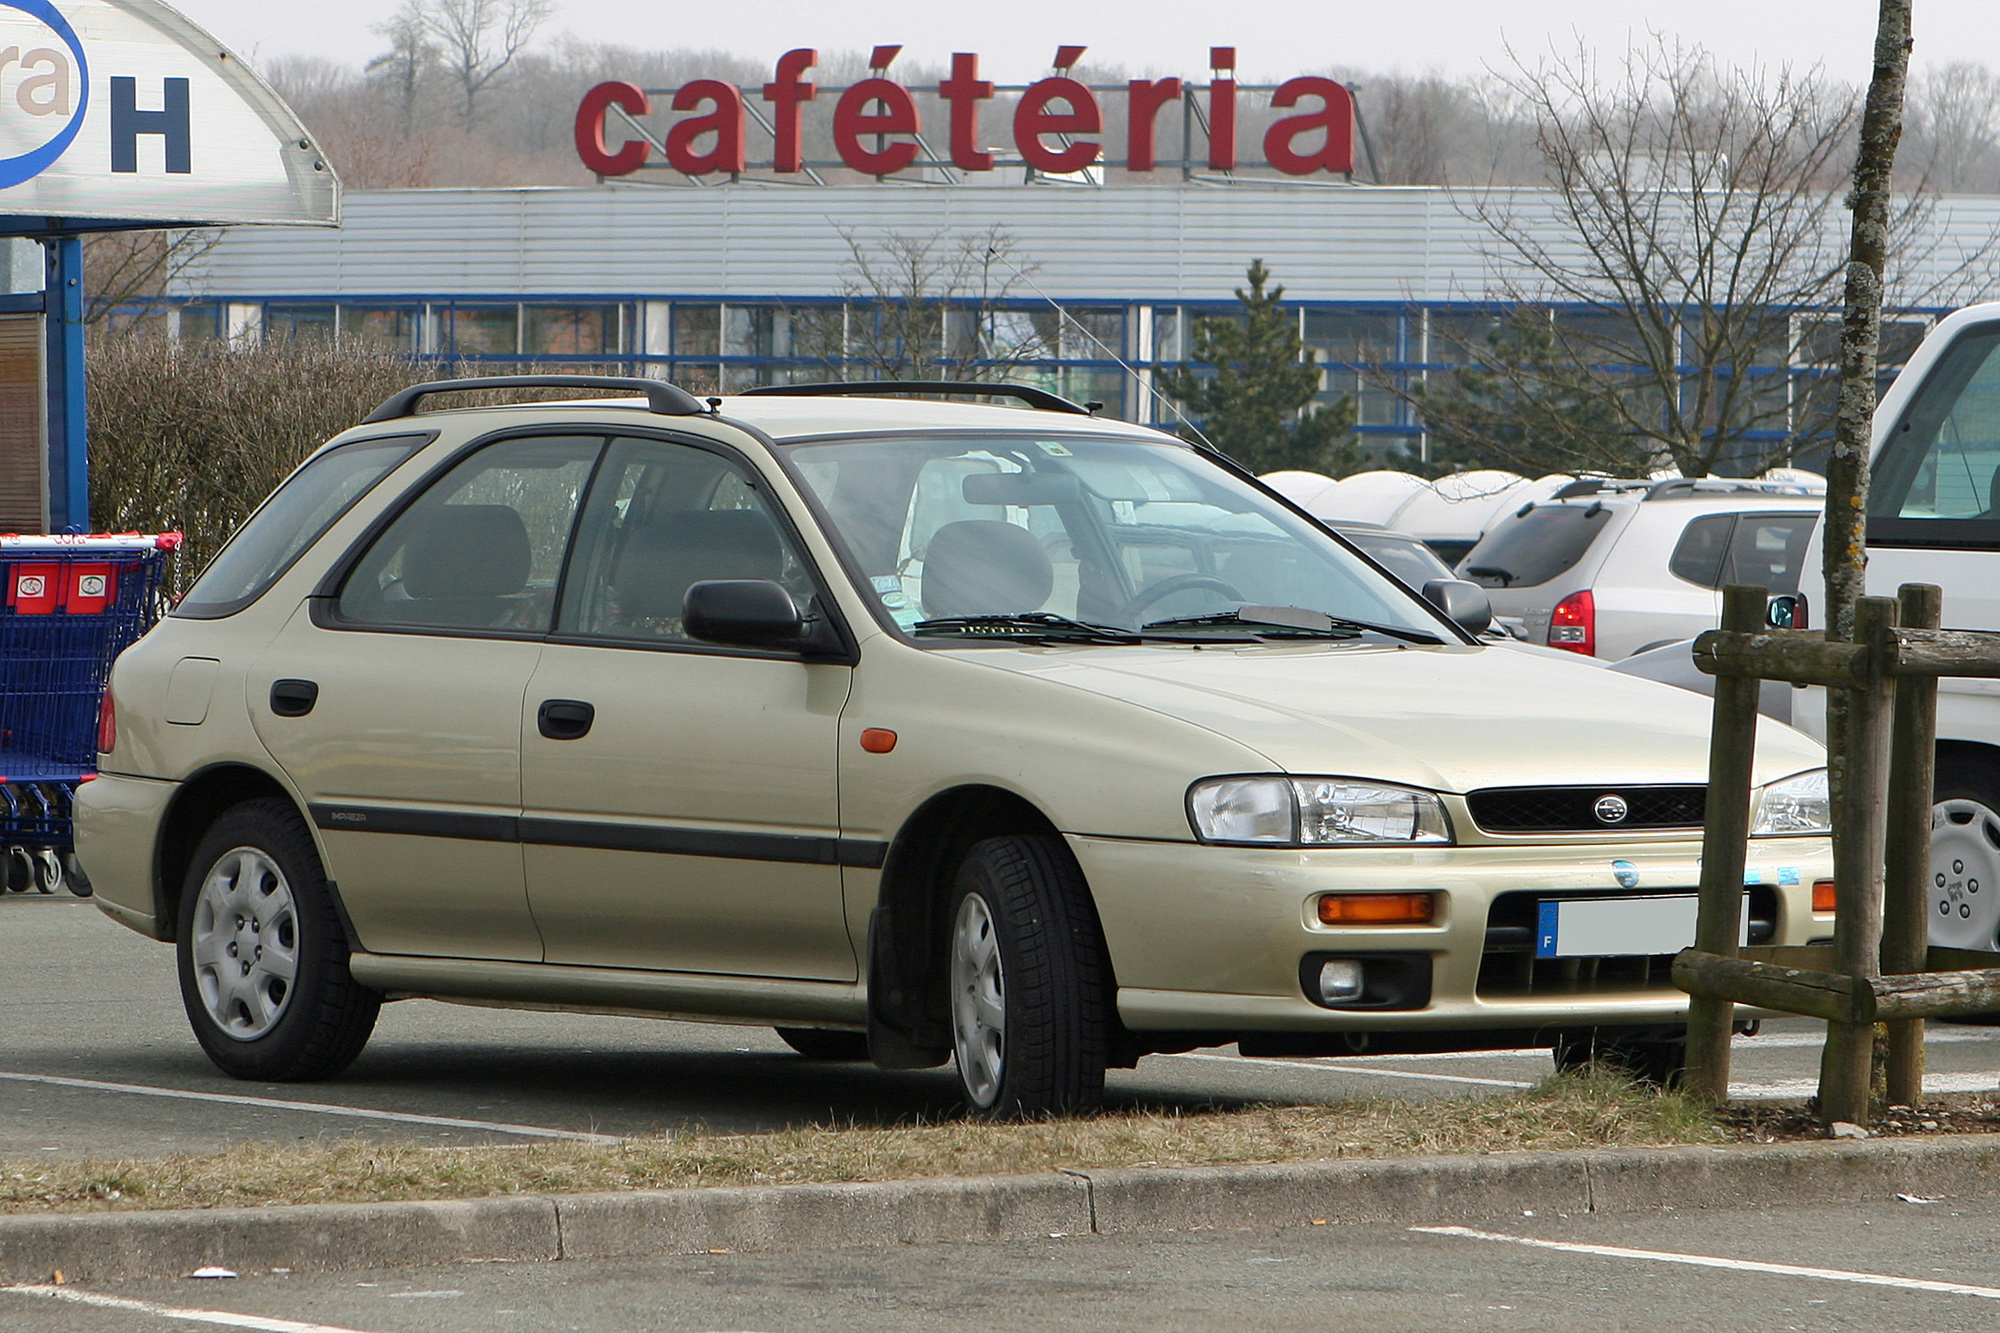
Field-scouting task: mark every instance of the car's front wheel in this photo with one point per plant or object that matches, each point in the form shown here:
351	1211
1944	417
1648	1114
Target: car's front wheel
1029	986
263	957
1965	857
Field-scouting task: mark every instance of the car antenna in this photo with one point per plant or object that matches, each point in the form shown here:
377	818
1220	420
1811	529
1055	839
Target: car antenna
994	252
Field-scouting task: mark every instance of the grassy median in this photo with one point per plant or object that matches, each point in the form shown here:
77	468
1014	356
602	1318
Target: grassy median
1568	1111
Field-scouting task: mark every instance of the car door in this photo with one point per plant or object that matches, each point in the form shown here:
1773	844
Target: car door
394	703
680	805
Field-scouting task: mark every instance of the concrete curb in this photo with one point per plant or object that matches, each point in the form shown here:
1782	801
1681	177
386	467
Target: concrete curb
108	1246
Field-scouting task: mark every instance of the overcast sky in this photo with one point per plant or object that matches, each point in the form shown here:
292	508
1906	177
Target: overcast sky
1273	37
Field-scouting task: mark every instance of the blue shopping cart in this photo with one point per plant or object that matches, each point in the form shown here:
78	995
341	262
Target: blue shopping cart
71	605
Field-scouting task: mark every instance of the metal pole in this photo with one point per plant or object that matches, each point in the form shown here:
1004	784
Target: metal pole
1862	799
68	448
1732	750
1907	850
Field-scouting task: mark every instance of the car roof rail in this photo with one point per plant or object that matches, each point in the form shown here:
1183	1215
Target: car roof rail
1684	486
1040	399
666	399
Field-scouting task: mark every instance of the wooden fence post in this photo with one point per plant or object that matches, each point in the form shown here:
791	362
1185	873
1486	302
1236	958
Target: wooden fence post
1732	749
1907	845
1861	794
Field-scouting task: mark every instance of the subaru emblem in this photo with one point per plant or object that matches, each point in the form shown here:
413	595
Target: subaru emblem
1611	809
1628	874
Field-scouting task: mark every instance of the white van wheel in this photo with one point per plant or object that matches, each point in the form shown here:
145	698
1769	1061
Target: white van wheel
1965	873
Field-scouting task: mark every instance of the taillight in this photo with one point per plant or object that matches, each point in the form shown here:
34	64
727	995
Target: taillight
1573	624
107	723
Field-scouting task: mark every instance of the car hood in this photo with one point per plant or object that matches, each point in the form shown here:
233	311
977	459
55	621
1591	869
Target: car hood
1450	719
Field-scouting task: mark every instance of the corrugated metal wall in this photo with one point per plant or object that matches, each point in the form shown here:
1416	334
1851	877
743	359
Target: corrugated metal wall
23	440
1123	243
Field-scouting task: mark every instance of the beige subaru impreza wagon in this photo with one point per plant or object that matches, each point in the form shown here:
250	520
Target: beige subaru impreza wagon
922	731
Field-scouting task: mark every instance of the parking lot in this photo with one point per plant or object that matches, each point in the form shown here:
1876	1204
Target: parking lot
97	1060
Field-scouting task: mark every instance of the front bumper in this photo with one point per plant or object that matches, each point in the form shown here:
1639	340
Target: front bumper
1206	938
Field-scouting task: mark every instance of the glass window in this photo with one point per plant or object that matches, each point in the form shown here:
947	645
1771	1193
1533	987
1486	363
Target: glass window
486	330
1111	531
391	328
1938	478
298	513
1405	557
1354	339
589	330
299	322
661	518
482	548
1531	549
1698	555
1093	335
1767	550
697	330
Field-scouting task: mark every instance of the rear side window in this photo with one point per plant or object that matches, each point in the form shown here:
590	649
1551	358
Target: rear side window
1536	546
1761	549
1937	480
298	513
1701	550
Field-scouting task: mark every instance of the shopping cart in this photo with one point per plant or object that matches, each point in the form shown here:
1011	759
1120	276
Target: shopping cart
71	605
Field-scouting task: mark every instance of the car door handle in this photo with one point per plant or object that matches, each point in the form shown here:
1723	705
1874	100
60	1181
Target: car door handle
294	698
564	719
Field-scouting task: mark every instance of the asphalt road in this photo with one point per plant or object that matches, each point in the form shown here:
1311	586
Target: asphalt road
1884	1267
96	1059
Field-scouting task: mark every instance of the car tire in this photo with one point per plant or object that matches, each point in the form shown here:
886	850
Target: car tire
825	1044
1029	983
263	955
1650	1061
1964	909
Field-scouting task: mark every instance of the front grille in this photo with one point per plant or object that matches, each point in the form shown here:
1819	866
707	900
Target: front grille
1574	809
1509	969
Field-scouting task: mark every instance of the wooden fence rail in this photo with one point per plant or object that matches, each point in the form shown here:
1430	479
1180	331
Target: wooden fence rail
1879	968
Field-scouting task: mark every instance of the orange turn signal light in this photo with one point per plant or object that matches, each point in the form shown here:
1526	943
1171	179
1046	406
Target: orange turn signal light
1377	909
878	740
1823	897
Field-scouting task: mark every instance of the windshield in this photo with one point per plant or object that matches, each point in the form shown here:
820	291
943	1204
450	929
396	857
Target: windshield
1119	533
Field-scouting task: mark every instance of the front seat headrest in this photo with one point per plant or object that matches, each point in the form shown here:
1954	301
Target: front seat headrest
982	567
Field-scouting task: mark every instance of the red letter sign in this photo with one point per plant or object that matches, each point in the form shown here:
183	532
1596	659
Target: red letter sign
1222	108
1337	119
1143	100
590	145
785	93
964	91
725	122
852	119
1033	119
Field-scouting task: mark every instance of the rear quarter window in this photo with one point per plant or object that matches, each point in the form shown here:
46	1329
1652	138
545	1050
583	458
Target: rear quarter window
1532	548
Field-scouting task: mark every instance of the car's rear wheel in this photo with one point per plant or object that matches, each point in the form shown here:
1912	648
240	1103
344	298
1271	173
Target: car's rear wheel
263	957
1965	857
825	1044
1029	986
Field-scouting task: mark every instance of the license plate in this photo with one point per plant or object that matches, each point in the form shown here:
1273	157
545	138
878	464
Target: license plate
1628	926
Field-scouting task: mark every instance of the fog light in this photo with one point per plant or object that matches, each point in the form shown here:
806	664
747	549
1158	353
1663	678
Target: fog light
1376	909
1340	980
1823	896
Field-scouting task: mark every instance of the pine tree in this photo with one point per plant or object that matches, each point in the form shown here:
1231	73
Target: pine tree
1256	406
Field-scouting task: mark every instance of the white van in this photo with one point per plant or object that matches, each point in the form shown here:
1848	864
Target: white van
1934	517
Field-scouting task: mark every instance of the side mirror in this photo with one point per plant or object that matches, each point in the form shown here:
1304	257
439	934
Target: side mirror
1464	604
743	613
1785	610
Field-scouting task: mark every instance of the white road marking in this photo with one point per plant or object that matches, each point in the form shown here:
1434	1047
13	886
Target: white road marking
225	1318
1711	1261
1343	1068
314	1108
1788	1088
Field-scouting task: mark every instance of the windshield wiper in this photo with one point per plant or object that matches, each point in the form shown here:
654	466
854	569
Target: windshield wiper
1295	620
1506	576
1028	625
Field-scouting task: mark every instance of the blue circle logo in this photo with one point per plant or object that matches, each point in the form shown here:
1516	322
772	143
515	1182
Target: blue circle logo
28	165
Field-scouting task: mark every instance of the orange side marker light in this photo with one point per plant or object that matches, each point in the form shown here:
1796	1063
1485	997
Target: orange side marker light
1823	897
878	740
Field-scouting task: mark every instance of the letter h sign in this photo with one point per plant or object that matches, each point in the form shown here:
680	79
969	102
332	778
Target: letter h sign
170	123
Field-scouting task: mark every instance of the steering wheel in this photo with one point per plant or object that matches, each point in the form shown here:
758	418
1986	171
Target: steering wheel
1167	587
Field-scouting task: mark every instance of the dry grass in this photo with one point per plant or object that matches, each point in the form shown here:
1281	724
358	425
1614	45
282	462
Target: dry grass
1566	1112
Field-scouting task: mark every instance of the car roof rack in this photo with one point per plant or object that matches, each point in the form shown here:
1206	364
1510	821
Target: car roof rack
1040	399
1684	486
666	399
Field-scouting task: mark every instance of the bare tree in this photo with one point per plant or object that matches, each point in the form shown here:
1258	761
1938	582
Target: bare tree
1953	128
934	307
410	62
478	39
1694	210
129	273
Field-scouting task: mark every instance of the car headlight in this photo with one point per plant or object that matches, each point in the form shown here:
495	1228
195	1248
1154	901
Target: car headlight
1314	812
1798	804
